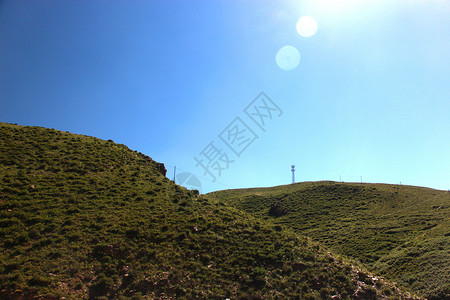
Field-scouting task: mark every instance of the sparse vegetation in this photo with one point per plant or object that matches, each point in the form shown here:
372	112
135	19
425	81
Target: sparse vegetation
400	232
83	218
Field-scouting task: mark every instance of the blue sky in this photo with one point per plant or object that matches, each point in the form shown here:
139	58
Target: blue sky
369	98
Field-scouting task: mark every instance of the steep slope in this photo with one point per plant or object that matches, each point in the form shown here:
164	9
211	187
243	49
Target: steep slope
85	218
401	232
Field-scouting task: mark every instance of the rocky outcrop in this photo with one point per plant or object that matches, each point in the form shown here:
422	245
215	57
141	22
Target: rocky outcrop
161	168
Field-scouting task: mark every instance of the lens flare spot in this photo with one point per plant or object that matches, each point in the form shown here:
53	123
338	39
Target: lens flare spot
307	26
288	58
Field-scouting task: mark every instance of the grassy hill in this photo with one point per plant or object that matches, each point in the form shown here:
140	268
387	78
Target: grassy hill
84	218
401	232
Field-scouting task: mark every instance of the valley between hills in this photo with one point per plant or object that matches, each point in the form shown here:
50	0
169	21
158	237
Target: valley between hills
85	218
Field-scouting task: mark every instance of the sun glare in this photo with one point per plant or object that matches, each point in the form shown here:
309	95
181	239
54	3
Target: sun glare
307	26
338	5
288	58
334	8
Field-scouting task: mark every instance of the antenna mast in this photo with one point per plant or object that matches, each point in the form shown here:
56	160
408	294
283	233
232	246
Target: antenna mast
293	173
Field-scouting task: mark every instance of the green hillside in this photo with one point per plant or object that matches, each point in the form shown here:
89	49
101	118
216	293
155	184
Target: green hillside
84	218
401	232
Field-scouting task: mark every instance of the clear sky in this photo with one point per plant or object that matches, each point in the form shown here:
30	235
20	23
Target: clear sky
179	81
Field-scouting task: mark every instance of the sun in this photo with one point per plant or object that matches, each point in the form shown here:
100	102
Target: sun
337	5
334	8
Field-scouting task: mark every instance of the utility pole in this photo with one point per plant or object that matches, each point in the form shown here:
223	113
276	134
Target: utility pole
174	172
293	173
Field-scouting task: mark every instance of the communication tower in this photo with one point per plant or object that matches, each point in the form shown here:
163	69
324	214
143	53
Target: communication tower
293	173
